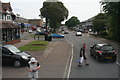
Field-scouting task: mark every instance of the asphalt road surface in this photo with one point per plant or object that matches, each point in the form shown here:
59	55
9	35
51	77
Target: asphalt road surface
95	69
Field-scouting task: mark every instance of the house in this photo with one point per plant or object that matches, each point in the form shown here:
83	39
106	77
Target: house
10	31
22	22
36	22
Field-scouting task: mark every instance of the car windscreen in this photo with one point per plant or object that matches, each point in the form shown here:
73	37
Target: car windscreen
107	48
14	49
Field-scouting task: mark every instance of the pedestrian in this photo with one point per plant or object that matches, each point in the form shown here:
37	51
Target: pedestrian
33	67
83	55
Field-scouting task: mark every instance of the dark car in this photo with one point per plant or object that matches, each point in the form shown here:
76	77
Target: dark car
103	52
12	55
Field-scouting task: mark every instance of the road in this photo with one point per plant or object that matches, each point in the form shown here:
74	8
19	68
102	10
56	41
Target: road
95	69
59	70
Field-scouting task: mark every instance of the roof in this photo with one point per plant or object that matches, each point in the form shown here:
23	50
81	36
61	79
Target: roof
34	19
9	25
102	44
7	7
6	46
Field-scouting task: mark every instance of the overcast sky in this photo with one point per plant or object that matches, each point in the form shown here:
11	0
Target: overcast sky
83	9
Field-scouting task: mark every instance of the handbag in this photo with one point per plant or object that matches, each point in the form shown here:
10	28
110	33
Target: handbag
81	60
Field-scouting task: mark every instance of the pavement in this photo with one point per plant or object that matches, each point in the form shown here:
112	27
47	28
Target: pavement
53	60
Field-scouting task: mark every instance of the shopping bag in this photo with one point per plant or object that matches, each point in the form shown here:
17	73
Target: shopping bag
80	60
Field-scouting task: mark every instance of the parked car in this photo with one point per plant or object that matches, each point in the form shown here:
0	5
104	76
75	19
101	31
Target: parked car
12	55
33	28
55	35
30	31
39	32
65	32
103	52
91	33
78	34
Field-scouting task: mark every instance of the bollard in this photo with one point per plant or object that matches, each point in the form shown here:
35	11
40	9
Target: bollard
38	37
34	37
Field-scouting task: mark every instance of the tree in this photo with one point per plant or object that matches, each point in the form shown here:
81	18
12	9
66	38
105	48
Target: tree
100	22
113	10
73	21
54	12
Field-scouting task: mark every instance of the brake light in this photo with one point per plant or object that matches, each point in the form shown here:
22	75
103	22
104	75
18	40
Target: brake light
115	52
100	52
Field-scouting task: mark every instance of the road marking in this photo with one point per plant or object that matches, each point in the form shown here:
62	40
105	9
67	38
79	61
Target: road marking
64	76
69	69
118	63
69	64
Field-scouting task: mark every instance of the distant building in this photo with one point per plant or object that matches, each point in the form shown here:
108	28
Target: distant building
36	22
10	31
86	25
20	19
22	22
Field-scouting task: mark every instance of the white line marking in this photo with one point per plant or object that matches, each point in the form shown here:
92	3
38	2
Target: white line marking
68	62
64	76
69	70
118	63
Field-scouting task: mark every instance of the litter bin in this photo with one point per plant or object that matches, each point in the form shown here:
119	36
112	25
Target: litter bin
48	38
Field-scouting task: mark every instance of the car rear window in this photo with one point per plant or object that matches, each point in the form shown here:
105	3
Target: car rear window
108	48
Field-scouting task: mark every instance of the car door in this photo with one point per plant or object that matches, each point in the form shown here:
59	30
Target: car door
93	49
97	48
6	55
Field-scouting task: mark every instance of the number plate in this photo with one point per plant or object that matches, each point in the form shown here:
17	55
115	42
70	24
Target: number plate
108	57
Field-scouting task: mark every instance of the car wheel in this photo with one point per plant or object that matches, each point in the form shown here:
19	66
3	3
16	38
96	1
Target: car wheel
16	63
113	60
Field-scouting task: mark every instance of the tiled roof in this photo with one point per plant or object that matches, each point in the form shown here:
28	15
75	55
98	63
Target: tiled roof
7	6
9	25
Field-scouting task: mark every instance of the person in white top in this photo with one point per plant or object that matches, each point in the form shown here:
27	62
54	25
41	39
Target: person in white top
33	67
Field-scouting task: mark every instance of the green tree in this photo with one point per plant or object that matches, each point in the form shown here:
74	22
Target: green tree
73	21
113	10
54	12
100	22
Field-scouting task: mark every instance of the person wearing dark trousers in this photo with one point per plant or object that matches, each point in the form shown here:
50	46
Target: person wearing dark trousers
83	55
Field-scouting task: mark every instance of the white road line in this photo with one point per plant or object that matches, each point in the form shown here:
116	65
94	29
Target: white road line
68	61
118	63
69	69
65	73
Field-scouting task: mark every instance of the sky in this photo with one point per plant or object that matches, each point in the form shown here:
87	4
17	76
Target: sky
83	9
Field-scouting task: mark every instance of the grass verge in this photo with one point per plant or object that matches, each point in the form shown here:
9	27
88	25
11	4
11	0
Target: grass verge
34	46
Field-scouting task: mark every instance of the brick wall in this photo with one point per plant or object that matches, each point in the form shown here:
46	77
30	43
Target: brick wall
12	42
